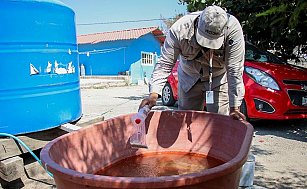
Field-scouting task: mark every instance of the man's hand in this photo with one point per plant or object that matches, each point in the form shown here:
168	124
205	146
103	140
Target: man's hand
151	100
236	114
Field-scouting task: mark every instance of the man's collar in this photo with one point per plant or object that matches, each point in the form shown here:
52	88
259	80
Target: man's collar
191	30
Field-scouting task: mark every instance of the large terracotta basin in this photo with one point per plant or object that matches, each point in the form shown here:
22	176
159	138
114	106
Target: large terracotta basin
74	157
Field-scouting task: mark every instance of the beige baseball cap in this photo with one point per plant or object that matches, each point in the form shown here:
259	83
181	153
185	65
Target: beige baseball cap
211	27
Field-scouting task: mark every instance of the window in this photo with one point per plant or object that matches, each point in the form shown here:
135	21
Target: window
254	54
147	58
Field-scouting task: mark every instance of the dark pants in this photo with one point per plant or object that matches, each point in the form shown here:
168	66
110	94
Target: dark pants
194	99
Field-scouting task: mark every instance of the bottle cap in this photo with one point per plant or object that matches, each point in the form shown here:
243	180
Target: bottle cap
137	121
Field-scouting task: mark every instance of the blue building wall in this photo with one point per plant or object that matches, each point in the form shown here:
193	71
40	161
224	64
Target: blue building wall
110	58
140	72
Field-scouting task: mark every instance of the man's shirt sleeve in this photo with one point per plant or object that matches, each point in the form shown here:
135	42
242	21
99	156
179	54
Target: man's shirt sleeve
169	54
234	60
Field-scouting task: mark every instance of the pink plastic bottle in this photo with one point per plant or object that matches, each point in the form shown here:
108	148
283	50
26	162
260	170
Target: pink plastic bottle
138	138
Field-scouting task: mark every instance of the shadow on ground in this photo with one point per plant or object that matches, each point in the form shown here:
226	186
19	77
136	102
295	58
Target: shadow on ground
132	97
292	180
294	130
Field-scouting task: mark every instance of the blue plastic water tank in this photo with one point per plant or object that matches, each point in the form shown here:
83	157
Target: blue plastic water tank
39	72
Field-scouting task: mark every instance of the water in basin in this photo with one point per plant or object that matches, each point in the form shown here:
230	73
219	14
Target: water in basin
160	164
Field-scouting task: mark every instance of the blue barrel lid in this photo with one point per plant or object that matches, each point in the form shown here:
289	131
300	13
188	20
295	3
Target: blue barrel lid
41	1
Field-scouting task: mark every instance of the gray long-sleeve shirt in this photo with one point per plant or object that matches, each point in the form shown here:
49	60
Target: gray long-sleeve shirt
181	43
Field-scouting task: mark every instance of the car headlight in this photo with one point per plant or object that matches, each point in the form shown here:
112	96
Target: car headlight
262	78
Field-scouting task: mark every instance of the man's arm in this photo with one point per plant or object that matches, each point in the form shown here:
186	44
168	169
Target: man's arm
234	58
169	54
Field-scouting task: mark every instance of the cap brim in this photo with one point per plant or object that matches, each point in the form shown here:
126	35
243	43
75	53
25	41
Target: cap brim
209	42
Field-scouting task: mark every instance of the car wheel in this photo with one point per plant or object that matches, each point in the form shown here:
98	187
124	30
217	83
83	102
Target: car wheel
243	109
167	95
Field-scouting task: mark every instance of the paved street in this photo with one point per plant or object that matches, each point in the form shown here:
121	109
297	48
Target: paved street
279	147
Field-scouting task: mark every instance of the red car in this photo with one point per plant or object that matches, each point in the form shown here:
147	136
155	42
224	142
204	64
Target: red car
273	89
